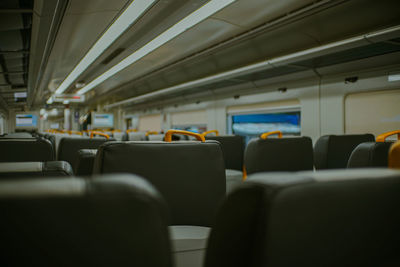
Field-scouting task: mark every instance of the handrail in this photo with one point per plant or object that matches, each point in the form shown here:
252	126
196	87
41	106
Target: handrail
75	132
131	130
382	137
211	131
265	135
394	156
93	133
116	131
151	132
169	133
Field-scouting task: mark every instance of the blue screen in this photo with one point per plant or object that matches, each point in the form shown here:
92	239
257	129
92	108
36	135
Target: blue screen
25	120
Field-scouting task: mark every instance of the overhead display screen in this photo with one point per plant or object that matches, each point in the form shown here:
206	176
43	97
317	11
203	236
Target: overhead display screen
25	120
103	120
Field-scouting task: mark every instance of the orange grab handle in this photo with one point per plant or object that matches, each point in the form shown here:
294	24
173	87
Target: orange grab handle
382	137
265	135
211	131
93	133
244	173
116	131
74	132
169	133
394	156
151	132
131	130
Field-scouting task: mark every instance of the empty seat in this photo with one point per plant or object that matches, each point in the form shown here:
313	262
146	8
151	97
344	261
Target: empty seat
326	218
155	137
279	154
370	154
190	175
120	136
85	162
136	136
117	220
333	151
69	148
232	149
26	149
36	169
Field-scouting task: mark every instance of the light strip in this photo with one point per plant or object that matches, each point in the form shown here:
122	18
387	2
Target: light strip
119	26
287	59
194	18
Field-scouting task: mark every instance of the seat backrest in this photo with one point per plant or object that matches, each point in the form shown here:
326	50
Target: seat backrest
120	136
155	137
325	218
26	149
279	154
232	149
333	151
370	154
190	175
85	162
35	169
117	220
136	136
69	147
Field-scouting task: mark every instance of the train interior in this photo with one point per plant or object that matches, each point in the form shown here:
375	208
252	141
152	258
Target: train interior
189	133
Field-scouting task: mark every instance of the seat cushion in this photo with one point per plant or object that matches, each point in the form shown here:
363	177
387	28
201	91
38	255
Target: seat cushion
370	154
190	175
279	154
189	244
333	151
232	149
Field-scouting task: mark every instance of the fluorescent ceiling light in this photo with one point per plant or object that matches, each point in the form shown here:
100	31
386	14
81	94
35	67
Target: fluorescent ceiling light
50	100
119	26
194	18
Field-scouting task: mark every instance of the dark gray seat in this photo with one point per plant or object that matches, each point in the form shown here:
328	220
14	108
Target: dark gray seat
325	218
25	149
370	154
69	147
333	151
35	169
278	154
232	149
190	175
118	220
85	162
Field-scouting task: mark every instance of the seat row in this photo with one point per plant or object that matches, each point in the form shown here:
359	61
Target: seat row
326	218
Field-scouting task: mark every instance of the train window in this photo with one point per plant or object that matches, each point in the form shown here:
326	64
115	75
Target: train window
253	125
372	112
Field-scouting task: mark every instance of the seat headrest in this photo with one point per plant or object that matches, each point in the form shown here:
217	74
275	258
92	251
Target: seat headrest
279	154
370	154
35	169
26	149
329	218
333	151
190	175
114	220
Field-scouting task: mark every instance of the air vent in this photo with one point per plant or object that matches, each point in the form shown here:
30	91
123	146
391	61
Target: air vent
113	55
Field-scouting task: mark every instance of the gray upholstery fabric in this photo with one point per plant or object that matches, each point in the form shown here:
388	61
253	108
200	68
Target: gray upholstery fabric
25	149
117	220
190	175
370	154
35	169
69	147
85	162
333	151
279	154
325	218
233	150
